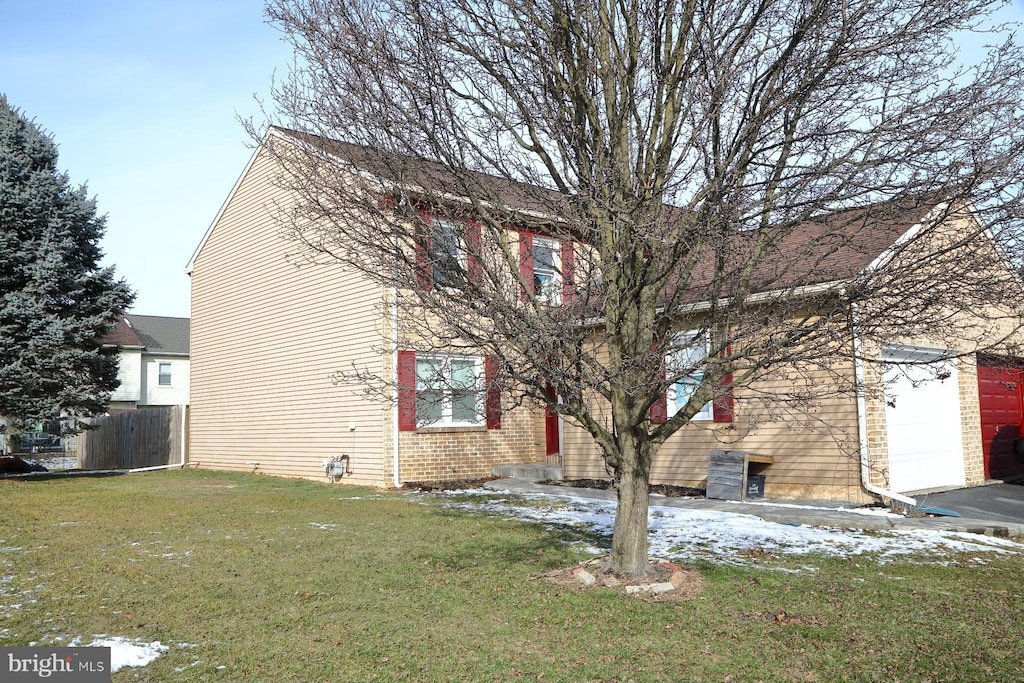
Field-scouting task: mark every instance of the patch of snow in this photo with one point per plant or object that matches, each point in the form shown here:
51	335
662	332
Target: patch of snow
870	511
726	537
125	651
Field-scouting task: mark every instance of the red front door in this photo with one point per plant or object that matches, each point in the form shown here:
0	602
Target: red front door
1001	397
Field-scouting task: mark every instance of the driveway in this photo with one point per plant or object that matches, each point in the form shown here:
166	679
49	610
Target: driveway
996	502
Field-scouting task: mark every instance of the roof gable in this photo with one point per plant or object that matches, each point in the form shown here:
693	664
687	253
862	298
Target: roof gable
122	336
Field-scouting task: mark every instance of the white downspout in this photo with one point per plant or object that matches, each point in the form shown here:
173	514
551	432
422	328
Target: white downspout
561	437
184	413
396	479
157	468
862	419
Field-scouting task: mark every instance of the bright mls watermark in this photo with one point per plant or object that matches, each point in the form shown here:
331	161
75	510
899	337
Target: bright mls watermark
60	664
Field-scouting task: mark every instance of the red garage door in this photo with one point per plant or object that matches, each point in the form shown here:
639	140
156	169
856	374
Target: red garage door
1001	394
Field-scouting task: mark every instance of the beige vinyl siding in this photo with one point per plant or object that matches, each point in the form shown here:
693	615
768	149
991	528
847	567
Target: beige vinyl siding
268	331
815	455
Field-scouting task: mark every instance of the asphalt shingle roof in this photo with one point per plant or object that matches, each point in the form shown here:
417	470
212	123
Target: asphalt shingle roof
161	334
122	335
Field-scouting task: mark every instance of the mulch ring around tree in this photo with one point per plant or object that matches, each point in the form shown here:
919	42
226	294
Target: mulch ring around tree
667	582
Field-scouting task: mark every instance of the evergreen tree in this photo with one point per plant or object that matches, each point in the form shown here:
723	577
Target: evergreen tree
56	302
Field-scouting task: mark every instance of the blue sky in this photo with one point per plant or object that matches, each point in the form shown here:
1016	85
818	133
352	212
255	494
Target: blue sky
143	99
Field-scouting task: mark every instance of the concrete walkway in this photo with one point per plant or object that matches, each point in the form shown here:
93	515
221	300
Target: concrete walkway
823	514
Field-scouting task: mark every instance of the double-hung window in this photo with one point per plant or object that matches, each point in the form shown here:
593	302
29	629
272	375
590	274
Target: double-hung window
449	391
547	269
164	374
448	254
688	359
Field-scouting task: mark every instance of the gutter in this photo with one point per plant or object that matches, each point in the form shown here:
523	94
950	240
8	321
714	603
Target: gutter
862	420
756	297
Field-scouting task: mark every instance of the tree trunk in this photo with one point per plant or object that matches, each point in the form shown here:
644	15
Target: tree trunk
629	544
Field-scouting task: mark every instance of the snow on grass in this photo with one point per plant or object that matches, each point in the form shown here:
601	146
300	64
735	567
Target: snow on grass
128	652
12	595
870	512
727	537
153	548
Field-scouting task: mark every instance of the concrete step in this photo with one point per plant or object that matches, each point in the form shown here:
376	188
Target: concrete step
532	471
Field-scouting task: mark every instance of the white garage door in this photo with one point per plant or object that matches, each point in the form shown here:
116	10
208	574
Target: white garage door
922	416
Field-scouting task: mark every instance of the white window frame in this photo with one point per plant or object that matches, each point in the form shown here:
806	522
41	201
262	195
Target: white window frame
681	357
552	271
160	375
447	390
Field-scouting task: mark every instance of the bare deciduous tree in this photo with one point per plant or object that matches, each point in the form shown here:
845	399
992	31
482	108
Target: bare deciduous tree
722	166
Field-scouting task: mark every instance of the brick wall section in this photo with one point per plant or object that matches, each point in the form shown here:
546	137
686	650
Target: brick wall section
877	438
435	454
970	417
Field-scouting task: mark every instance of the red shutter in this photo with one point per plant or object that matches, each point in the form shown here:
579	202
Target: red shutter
722	407
659	409
568	272
526	261
406	391
424	268
492	400
473	266
551	445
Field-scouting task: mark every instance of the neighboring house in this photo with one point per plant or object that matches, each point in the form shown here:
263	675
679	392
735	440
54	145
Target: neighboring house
268	333
154	362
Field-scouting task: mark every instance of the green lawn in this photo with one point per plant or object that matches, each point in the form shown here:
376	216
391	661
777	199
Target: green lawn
252	578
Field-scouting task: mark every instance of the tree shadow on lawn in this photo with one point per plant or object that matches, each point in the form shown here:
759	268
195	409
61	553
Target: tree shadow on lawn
554	545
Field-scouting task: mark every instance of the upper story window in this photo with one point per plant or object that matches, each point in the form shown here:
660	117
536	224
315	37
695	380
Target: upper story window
164	374
547	269
447	254
546	266
449	390
689	358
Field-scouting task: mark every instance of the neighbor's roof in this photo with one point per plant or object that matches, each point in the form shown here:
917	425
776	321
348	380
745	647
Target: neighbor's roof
122	335
161	335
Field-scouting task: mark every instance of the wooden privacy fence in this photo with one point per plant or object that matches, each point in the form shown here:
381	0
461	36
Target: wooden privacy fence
138	438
